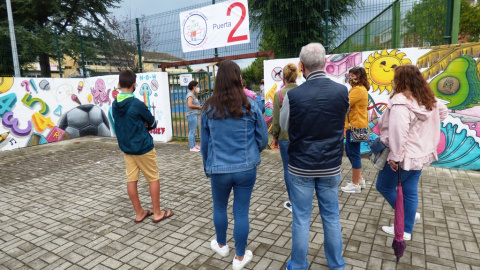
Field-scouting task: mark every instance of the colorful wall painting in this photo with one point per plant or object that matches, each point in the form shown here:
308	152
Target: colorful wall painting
453	72
36	111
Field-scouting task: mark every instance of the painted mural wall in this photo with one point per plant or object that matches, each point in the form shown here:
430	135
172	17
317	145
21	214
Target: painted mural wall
452	72
36	111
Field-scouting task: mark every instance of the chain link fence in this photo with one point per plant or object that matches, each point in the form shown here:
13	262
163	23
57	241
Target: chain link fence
368	25
400	24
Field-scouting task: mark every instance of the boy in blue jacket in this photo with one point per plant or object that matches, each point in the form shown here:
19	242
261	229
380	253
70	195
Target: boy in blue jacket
133	120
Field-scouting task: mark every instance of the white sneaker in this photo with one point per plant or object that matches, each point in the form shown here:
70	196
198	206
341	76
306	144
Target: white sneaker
238	265
288	205
222	251
352	188
194	149
362	183
391	230
417	218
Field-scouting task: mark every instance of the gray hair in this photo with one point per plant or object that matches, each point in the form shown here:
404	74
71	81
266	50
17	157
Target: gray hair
312	56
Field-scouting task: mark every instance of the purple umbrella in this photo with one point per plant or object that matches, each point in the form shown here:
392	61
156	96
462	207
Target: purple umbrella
398	244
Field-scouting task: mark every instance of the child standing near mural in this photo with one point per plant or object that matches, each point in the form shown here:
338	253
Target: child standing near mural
133	120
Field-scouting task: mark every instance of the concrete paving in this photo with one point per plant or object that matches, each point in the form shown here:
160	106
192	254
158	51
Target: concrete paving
65	206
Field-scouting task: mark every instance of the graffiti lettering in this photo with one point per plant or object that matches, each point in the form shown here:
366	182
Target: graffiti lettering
12	140
26	84
30	102
32	83
7	102
11	122
41	122
158	130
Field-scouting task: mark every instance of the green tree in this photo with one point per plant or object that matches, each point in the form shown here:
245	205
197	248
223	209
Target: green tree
286	26
427	19
469	26
35	22
254	72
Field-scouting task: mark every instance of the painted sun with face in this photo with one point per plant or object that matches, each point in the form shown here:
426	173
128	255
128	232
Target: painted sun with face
380	68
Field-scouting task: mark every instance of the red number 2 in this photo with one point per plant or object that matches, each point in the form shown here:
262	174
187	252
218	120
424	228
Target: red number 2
231	38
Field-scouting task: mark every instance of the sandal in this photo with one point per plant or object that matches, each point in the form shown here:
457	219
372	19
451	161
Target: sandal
167	214
149	213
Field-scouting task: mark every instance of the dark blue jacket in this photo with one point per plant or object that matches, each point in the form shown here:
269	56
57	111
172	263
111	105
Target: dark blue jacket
317	119
131	115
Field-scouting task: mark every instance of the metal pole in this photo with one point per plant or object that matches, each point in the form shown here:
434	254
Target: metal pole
58	54
448	24
139	46
216	50
13	41
455	21
81	53
326	25
396	24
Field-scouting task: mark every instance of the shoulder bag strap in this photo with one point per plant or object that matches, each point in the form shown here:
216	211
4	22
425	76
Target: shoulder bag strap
280	96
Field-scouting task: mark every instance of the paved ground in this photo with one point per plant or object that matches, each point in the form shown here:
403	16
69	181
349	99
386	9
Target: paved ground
65	206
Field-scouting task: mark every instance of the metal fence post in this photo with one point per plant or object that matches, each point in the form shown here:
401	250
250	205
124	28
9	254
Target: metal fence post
366	38
58	54
216	50
396	24
327	11
455	21
448	23
82	54
139	45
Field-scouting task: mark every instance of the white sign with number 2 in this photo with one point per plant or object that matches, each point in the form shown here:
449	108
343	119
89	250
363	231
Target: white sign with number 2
215	26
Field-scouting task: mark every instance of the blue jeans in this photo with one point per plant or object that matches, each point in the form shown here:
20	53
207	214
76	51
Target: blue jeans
242	184
387	182
284	154
192	127
326	188
352	150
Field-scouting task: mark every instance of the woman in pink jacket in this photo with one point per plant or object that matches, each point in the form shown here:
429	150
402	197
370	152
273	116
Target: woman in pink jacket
410	127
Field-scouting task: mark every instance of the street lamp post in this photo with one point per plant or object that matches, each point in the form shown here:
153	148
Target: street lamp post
13	41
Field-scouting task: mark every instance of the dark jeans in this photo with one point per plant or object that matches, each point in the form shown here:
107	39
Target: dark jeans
352	150
284	154
242	184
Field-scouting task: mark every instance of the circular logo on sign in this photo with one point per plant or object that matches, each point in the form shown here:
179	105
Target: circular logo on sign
195	29
277	74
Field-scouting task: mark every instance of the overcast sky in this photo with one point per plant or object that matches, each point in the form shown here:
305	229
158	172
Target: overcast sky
137	8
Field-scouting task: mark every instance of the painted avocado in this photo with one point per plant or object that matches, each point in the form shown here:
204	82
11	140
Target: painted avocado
458	84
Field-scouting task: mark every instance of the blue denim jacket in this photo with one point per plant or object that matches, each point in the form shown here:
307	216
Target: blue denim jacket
233	145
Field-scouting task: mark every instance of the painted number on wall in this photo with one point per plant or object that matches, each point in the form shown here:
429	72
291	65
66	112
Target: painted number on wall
41	123
7	102
11	122
30	102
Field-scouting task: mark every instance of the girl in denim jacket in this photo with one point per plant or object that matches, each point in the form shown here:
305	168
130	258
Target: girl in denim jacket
234	133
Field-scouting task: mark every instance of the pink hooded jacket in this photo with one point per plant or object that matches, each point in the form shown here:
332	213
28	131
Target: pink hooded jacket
249	93
416	147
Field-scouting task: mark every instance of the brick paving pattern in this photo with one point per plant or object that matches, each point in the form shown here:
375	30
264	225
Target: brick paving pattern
65	206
